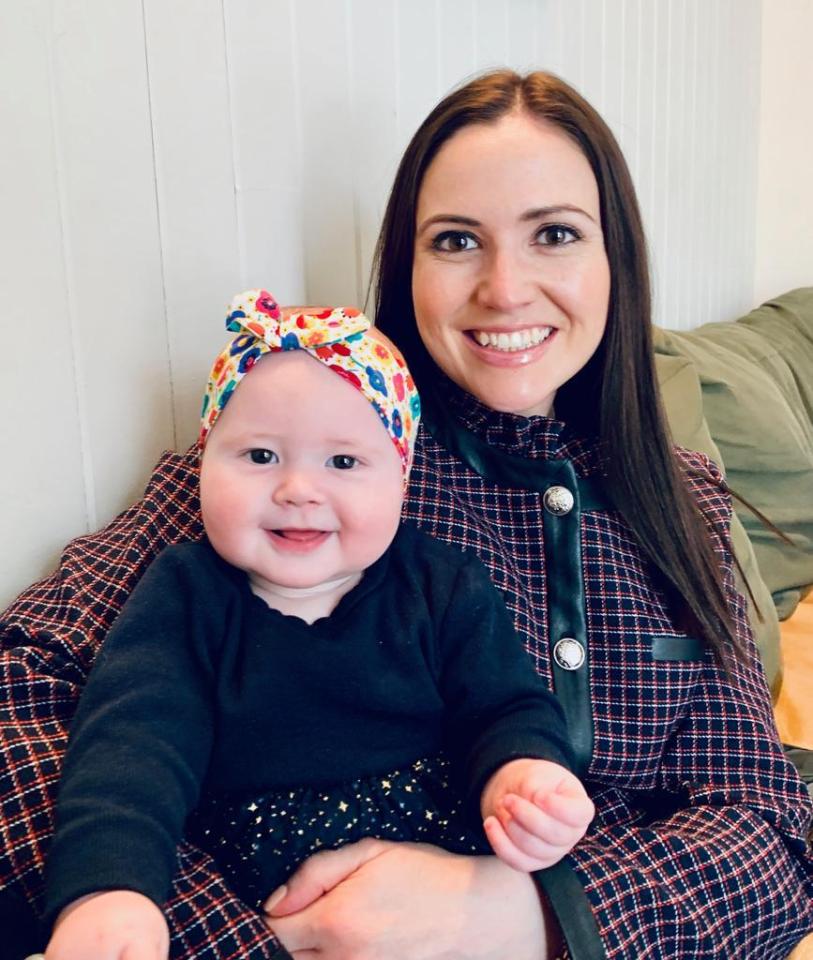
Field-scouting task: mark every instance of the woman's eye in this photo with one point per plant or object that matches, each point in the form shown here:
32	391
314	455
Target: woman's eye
260	455
452	241
342	461
556	235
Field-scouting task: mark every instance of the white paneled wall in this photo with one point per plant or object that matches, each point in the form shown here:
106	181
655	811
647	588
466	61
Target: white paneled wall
159	155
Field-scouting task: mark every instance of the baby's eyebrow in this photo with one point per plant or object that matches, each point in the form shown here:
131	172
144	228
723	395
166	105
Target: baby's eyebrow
356	443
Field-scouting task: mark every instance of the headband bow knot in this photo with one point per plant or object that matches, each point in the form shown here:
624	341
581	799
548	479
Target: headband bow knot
339	338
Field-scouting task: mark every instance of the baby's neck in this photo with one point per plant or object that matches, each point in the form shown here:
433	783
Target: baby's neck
307	603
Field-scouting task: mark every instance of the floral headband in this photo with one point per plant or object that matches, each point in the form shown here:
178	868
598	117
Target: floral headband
337	337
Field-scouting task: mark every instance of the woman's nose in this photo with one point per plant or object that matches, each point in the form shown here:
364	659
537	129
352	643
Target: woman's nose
297	486
506	282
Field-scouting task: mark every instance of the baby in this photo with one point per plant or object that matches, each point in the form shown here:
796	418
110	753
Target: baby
313	671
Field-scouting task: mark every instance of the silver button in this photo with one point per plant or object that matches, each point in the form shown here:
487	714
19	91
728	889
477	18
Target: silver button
569	653
558	501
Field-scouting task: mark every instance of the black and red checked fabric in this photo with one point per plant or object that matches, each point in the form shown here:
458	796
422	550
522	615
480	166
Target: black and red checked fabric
698	849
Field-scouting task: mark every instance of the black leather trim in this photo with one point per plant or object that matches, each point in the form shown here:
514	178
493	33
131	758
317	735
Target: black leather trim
678	648
569	902
566	618
563	568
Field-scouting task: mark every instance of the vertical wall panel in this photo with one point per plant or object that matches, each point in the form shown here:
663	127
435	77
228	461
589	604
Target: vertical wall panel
550	30
194	159
649	74
418	58
572	39
323	68
373	135
262	81
492	33
656	198
784	208
110	240
594	53
521	52
614	68
457	41
750	141
628	128
42	490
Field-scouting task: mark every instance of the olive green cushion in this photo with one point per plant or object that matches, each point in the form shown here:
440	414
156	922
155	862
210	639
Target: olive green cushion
756	376
682	398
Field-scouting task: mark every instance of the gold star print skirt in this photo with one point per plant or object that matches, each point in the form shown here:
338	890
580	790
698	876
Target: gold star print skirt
260	841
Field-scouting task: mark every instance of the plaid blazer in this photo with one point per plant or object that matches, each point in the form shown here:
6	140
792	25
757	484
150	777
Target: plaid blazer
699	844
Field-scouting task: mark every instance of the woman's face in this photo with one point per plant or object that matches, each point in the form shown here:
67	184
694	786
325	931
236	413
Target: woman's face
510	278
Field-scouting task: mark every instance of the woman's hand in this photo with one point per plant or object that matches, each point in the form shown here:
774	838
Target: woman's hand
114	925
407	901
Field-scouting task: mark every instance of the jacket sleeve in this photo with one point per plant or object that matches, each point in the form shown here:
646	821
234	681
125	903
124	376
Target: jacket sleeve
48	640
726	871
498	708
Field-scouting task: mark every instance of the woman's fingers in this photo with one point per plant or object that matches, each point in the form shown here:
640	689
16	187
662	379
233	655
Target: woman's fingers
319	874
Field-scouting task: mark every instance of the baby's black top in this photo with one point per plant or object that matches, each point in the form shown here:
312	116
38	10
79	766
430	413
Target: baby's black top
201	687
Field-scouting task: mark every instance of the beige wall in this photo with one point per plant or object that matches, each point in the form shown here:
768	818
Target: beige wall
784	228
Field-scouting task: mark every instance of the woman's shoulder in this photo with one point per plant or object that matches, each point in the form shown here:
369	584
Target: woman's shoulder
707	484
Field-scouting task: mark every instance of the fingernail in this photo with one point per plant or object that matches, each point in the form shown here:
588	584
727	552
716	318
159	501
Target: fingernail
279	894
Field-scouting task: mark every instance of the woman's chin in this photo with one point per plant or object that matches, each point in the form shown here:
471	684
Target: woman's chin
520	403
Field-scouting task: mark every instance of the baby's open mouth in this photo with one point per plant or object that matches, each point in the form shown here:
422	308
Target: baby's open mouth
300	536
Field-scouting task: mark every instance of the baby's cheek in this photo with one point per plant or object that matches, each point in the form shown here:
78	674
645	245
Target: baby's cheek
225	506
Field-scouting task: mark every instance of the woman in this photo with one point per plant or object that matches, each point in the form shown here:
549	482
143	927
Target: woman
511	270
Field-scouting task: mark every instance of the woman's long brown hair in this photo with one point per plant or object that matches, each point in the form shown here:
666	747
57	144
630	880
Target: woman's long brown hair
615	396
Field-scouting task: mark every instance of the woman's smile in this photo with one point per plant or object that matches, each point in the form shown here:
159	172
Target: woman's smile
513	341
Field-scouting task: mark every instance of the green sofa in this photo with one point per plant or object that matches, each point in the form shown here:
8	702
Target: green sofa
742	392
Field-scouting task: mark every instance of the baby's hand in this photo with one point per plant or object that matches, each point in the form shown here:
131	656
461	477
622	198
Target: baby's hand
535	812
113	925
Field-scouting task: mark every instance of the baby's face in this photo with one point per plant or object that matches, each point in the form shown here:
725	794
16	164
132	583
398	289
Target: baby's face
300	483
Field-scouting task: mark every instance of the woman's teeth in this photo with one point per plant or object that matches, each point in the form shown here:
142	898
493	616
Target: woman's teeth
516	340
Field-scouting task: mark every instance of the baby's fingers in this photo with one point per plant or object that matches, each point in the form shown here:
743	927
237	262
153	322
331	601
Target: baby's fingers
537	821
570	807
505	848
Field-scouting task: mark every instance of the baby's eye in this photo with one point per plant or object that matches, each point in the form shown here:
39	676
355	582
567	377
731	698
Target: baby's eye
342	461
454	241
261	455
557	235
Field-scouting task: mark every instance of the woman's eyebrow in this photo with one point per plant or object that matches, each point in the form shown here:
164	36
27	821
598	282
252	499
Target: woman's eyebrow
539	212
536	213
447	218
